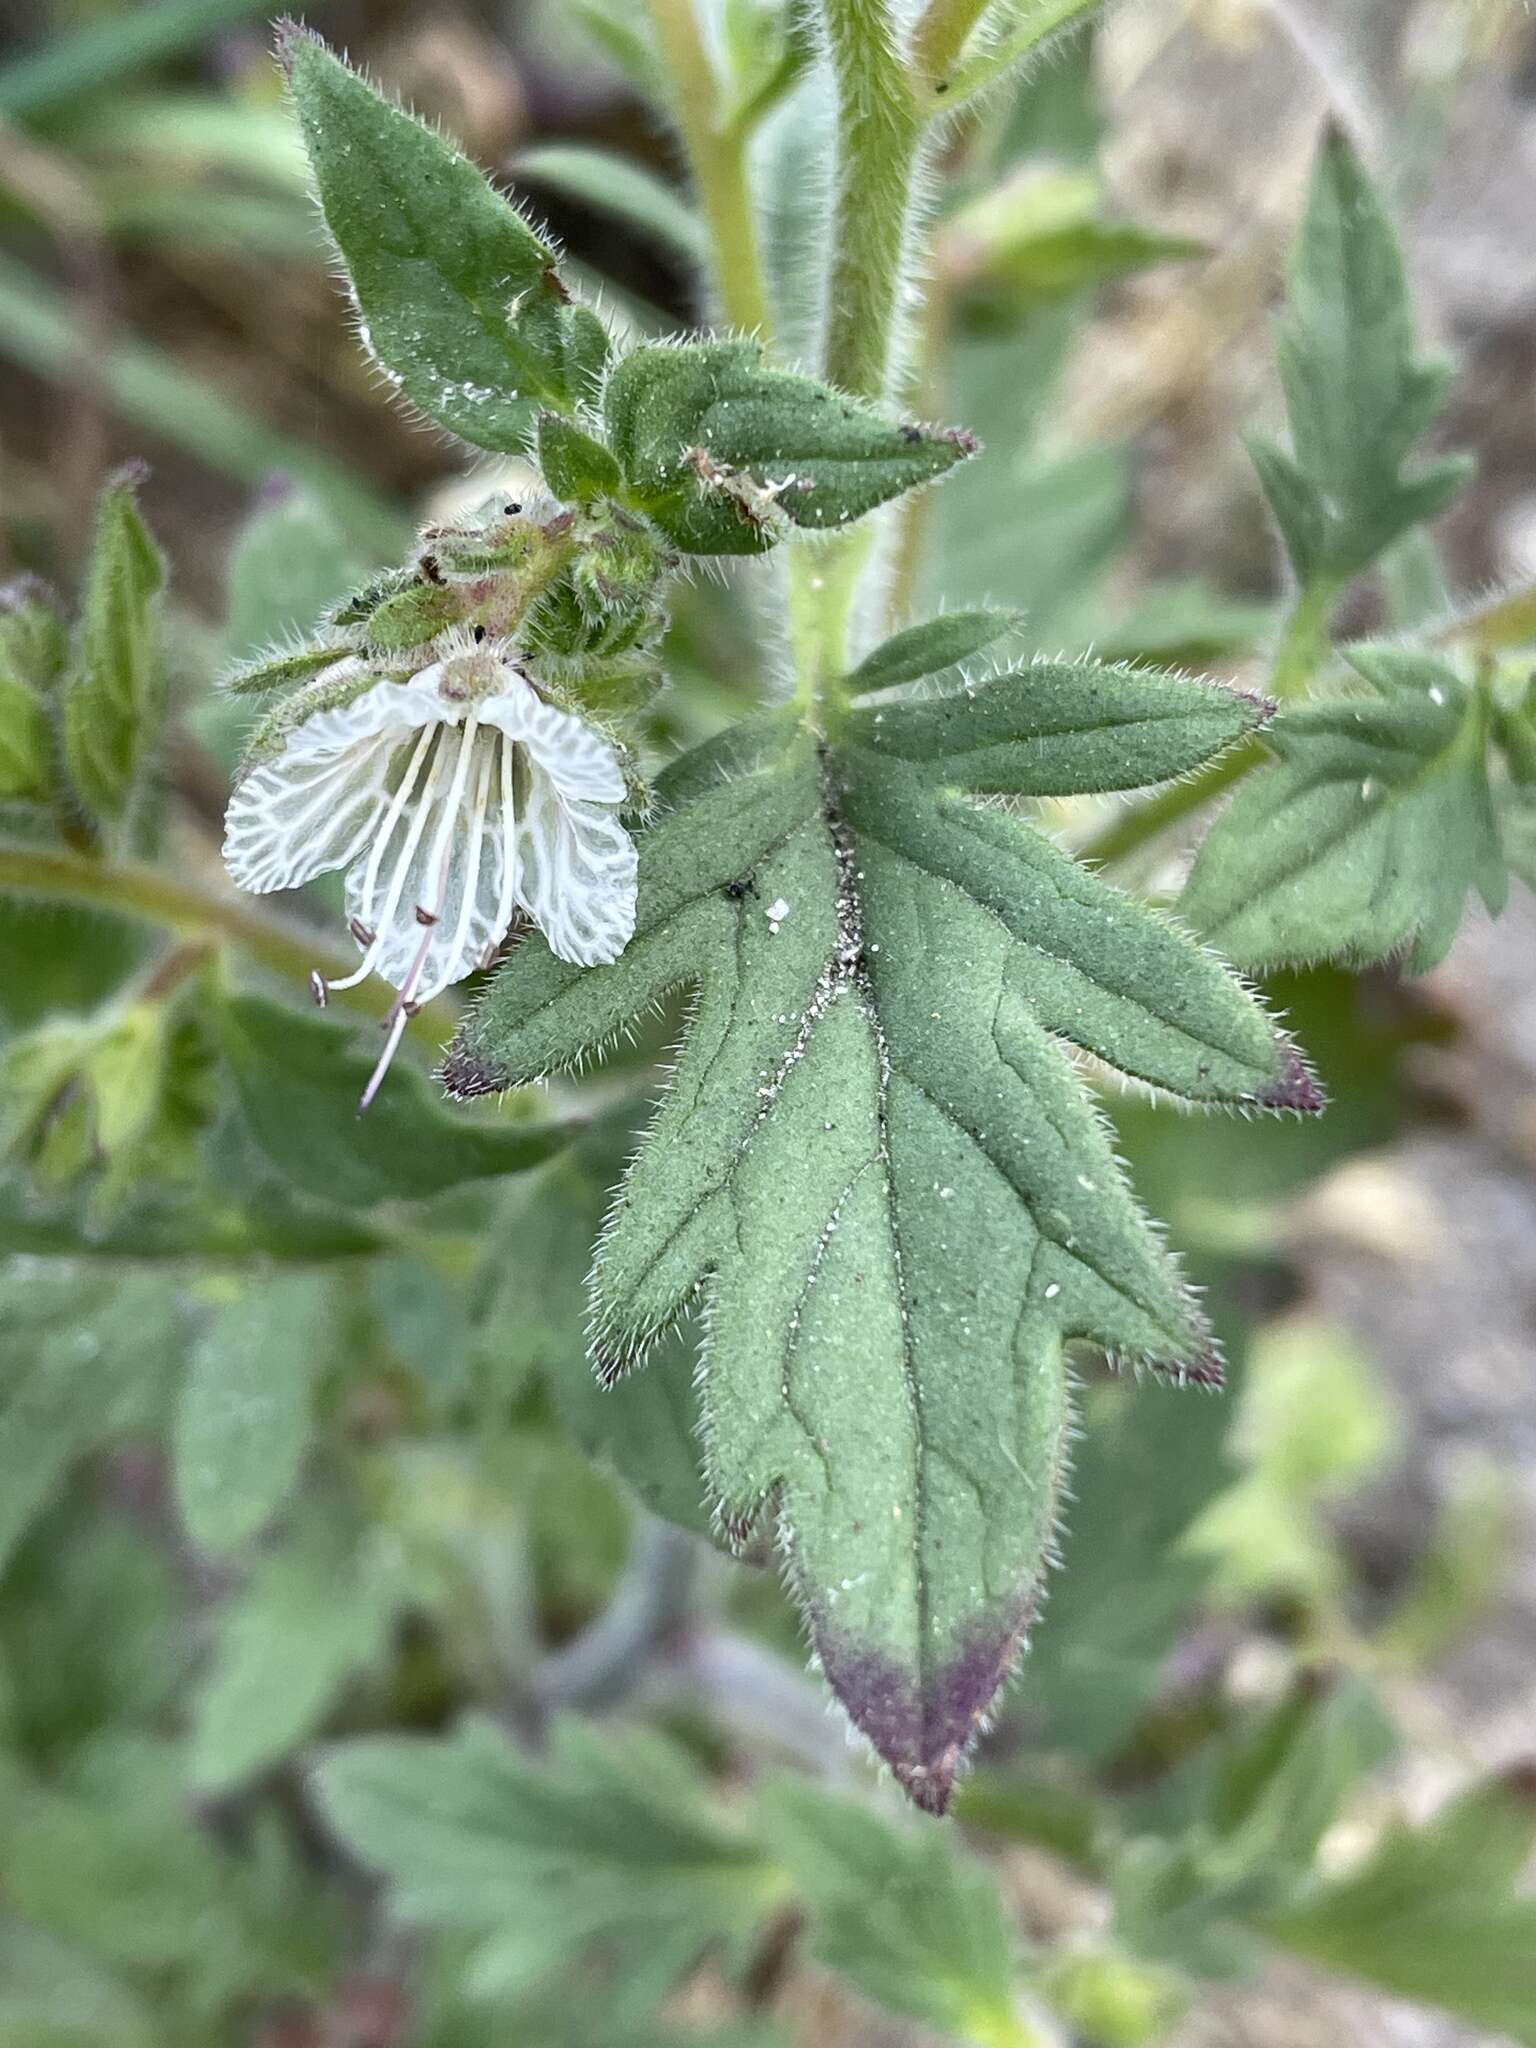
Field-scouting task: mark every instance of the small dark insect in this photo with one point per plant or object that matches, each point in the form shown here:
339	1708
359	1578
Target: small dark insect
911	434
745	887
429	569
511	511
479	634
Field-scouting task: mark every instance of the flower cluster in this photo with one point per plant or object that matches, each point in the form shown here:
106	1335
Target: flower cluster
449	781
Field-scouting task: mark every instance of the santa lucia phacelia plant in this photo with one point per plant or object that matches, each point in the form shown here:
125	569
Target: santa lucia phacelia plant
876	1175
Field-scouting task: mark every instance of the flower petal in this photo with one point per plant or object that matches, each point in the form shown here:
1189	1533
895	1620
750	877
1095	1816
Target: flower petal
312	807
463	891
583	766
576	873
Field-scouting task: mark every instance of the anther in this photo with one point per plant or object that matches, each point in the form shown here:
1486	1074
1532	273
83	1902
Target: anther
318	989
425	916
360	931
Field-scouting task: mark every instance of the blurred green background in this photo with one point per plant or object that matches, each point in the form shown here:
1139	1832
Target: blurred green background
289	1462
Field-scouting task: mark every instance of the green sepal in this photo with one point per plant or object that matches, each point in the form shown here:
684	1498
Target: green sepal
26	741
354	609
410	617
461	302
929	648
1358	395
878	1164
721	452
114	695
576	468
282	668
34	640
299	1081
1364	837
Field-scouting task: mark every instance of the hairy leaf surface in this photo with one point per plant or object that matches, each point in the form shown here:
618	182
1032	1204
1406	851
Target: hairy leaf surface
1365	836
716	447
459	300
1358	394
115	690
877	1160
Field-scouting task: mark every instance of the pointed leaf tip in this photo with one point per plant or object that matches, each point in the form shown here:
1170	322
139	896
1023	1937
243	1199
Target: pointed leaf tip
1298	1088
924	1727
464	1075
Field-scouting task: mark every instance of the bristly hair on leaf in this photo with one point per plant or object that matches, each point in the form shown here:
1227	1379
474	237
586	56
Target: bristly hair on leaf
877	1161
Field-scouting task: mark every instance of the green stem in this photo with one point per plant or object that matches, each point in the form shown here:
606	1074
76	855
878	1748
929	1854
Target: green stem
1304	642
878	135
717	156
285	950
1302	648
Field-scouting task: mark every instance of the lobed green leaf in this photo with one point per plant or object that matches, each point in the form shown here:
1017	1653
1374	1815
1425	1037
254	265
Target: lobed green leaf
607	1844
1358	395
878	1164
1365	836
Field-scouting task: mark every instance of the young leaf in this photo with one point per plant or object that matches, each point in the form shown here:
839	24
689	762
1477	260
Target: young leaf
1358	395
575	467
605	1843
114	695
299	1081
1432	1915
459	300
314	1614
926	649
1365	837
244	1416
879	1161
899	1912
719	451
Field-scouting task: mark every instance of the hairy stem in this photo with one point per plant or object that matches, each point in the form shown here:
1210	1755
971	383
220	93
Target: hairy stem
878	135
137	890
716	150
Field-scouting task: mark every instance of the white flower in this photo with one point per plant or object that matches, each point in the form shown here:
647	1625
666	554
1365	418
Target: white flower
451	800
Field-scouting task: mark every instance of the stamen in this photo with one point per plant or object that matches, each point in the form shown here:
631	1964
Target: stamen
508	894
402	864
455	952
360	931
440	859
386	1057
